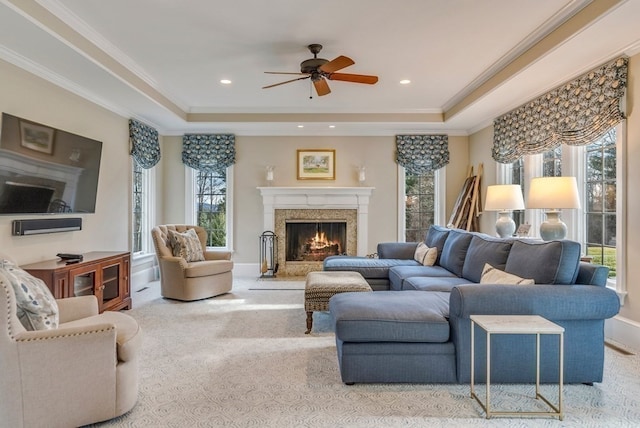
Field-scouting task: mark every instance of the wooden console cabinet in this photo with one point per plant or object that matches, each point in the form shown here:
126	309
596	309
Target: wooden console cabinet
102	273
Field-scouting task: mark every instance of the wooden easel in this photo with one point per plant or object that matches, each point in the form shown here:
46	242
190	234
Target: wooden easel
467	207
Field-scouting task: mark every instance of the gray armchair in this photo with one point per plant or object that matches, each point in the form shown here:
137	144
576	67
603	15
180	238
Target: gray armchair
183	280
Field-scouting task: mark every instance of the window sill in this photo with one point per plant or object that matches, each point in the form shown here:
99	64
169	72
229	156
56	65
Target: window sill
621	294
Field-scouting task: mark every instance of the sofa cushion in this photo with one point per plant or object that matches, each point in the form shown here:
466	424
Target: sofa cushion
493	275
424	283
484	249
553	262
398	274
455	251
389	316
436	237
424	255
186	245
36	307
368	268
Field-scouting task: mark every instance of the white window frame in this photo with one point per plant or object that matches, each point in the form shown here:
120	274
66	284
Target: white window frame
439	216
148	213
190	207
573	164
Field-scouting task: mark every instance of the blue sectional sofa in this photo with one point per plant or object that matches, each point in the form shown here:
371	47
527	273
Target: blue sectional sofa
416	327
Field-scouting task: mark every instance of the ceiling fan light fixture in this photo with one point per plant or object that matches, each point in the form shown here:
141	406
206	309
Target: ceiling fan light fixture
319	70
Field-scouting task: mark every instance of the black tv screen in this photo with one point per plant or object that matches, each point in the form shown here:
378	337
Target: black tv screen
44	170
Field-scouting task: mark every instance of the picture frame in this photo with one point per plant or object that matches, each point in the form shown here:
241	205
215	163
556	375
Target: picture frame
523	230
36	137
316	164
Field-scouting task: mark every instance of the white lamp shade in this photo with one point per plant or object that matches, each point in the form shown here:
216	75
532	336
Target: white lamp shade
553	193
503	197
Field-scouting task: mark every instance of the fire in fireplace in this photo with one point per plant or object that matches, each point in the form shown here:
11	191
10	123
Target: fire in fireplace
314	241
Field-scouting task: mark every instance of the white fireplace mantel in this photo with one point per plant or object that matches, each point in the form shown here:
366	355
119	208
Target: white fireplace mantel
320	198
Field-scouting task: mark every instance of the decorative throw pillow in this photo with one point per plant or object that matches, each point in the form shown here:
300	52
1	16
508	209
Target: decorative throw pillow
492	275
36	307
186	245
425	255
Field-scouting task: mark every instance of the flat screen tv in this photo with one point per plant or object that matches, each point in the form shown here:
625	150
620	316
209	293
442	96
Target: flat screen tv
44	170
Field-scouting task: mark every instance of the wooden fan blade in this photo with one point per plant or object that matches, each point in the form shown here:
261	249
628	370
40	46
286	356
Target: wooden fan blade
336	64
322	87
284	72
356	78
287	81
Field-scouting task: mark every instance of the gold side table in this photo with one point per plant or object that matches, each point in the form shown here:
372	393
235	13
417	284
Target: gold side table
517	324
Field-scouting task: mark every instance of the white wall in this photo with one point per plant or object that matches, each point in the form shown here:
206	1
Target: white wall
29	97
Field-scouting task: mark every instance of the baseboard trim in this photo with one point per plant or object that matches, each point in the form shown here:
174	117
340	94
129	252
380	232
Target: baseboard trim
143	277
623	333
246	269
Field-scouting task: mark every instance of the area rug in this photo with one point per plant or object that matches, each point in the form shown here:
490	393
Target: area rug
242	359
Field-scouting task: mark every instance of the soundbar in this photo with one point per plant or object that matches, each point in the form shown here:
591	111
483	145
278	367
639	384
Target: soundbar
46	225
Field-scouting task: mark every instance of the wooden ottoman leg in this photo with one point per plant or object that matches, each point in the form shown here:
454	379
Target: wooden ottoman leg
309	322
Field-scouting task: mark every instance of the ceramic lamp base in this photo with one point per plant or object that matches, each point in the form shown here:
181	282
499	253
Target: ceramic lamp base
553	228
505	226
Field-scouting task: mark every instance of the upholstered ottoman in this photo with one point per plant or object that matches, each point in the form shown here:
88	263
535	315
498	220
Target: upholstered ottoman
321	286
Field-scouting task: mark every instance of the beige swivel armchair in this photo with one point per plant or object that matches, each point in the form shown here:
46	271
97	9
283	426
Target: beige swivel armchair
184	280
83	371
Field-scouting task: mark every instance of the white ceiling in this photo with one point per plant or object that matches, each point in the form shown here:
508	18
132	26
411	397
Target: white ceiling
161	61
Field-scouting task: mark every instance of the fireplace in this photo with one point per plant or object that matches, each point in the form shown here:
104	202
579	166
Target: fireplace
346	205
314	241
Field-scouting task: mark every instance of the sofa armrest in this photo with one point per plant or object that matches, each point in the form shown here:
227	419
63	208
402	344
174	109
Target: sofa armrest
554	302
75	308
397	250
172	267
592	274
217	255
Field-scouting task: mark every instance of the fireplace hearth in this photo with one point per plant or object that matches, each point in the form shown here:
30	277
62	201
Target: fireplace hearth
314	241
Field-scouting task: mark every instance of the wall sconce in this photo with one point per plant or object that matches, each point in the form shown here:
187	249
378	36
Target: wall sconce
75	155
361	175
553	194
504	198
269	175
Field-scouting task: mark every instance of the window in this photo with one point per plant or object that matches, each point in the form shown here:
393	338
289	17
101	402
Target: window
142	216
517	177
600	201
599	169
209	204
419	204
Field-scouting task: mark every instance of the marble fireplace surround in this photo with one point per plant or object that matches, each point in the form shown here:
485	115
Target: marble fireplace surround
316	203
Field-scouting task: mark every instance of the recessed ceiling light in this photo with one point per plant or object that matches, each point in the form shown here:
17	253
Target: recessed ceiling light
332	126
300	126
225	81
405	81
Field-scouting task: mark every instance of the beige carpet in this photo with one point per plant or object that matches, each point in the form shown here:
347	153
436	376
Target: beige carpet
242	360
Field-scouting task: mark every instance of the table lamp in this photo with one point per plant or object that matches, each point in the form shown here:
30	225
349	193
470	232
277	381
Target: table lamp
504	198
553	194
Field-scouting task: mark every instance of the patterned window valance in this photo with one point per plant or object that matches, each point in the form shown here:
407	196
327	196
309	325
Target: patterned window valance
145	147
575	113
420	154
209	152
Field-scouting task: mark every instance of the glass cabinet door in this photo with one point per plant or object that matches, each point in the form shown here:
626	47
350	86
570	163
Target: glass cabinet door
110	284
83	281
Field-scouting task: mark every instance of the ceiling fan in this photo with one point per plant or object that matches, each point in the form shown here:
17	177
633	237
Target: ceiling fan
320	70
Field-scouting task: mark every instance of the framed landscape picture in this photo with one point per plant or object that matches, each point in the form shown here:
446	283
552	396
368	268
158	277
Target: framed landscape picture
36	137
316	164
